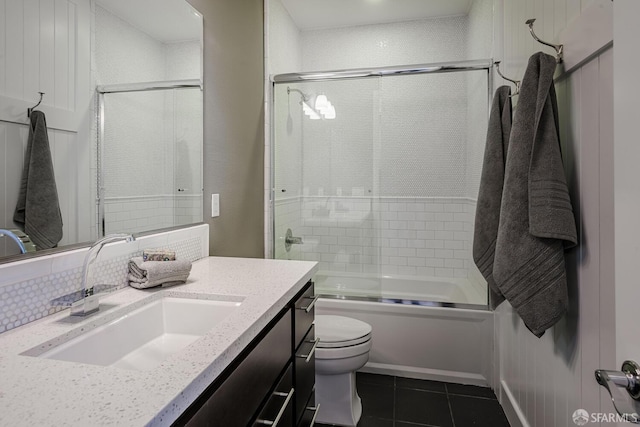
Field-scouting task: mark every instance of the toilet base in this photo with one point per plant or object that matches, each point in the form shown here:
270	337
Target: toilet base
338	399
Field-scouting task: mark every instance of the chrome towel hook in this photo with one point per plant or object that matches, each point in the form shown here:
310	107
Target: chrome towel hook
515	82
557	47
29	110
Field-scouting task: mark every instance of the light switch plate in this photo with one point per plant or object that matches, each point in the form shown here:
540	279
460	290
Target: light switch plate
215	205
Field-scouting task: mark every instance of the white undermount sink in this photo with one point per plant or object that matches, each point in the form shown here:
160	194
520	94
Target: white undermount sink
143	338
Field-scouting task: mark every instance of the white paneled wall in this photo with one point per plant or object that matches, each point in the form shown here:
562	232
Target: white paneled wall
45	47
543	381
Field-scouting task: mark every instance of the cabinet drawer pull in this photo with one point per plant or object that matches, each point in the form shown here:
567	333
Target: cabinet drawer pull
311	304
275	422
315	410
307	357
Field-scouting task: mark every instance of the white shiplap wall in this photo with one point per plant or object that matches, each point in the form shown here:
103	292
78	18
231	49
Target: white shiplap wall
45	47
543	381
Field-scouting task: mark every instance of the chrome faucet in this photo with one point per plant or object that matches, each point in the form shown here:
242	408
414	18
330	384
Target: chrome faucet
12	235
86	300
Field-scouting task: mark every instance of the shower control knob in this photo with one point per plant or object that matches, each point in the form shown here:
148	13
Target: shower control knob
289	240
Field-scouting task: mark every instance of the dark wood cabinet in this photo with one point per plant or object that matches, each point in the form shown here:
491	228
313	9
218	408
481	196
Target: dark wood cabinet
304	346
272	380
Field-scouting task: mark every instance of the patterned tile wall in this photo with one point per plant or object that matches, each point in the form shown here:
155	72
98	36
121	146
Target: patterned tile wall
399	43
23	300
283	54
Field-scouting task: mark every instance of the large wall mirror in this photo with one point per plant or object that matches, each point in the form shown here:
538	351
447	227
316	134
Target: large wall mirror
122	83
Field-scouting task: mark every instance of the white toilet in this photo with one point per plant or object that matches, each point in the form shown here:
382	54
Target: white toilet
343	348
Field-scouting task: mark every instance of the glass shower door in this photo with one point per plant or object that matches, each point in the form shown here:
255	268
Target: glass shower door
325	166
188	139
151	159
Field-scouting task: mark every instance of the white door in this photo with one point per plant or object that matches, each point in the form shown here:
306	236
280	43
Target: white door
626	190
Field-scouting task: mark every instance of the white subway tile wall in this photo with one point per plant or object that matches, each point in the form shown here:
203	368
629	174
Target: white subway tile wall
428	237
123	214
28	286
289	216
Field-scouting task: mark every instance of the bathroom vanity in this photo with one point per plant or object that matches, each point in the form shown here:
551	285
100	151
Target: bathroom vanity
277	368
254	366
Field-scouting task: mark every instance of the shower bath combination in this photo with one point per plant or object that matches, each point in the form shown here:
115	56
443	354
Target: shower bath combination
384	199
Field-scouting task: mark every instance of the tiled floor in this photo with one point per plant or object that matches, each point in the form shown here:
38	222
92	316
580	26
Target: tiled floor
402	402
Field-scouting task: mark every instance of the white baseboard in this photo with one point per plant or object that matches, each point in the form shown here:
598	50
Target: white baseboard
510	406
426	374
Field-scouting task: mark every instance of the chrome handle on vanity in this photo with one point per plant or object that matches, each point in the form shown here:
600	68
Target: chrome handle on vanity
311	304
275	422
616	381
315	410
307	357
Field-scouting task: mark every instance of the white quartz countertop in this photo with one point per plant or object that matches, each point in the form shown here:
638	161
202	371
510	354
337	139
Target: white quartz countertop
45	392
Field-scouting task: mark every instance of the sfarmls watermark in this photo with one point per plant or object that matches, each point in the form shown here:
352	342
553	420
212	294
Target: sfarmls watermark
582	417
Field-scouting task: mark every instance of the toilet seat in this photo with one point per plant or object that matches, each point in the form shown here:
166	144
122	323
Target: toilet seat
340	331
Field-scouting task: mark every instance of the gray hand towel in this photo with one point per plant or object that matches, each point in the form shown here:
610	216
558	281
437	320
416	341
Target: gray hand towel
536	217
490	193
145	274
38	210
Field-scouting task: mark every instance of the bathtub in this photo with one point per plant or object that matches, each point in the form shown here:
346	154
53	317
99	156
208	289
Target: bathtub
420	329
405	288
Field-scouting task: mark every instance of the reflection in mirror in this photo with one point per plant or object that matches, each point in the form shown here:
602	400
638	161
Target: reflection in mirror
150	115
153	163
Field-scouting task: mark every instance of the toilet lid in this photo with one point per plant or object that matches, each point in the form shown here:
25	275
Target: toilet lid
340	331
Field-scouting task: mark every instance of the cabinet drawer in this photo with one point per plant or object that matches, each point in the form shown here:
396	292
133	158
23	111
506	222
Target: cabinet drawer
305	364
304	313
278	411
235	401
310	412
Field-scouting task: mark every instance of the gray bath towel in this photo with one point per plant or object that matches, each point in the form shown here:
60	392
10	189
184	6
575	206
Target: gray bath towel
146	274
38	210
490	193
536	217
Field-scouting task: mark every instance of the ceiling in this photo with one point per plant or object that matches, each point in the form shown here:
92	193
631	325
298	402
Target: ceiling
164	20
313	14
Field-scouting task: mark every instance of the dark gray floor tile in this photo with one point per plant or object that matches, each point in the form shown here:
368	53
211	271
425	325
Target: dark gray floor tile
377	400
470	390
473	411
364	377
374	422
401	424
420	384
417	406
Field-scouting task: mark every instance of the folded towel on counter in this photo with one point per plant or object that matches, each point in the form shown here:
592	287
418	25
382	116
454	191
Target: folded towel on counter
490	193
536	217
158	255
146	274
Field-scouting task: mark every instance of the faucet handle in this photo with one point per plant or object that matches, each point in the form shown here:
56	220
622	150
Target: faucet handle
83	301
